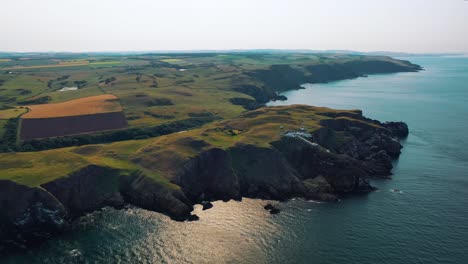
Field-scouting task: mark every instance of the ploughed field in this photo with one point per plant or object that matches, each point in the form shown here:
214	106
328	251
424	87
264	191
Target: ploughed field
84	115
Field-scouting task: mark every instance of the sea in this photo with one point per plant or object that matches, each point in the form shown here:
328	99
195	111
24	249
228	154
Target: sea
418	216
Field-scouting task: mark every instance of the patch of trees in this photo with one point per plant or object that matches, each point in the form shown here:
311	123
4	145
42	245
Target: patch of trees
202	114
160	102
38	100
159	115
108	137
247	103
108	80
2	82
80	84
63	78
23	91
8	141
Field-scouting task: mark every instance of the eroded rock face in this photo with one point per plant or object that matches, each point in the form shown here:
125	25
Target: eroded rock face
87	190
28	215
342	173
148	194
264	173
209	176
370	141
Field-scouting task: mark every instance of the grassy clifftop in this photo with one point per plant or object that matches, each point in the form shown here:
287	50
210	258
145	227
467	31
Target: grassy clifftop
159	157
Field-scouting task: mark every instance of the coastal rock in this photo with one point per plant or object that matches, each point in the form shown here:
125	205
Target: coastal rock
341	172
264	173
399	129
319	189
367	140
193	217
146	193
28	215
206	205
272	209
210	174
275	211
87	190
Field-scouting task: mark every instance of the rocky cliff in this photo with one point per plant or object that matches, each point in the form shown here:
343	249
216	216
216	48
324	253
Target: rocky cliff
281	77
271	153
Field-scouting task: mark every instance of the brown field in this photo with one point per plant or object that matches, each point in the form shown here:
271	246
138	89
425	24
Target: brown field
32	128
98	104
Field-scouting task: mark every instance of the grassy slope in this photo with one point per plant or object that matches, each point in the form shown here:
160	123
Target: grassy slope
160	157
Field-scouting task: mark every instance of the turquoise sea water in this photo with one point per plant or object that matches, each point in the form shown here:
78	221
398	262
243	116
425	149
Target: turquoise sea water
426	223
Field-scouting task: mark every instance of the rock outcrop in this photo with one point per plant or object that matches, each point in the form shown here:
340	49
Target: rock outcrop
32	214
28	215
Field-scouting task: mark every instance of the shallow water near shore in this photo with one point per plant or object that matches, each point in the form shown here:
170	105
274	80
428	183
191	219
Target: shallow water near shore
425	221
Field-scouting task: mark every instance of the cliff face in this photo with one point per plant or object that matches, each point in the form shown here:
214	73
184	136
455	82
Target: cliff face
87	190
271	153
28	215
280	78
32	214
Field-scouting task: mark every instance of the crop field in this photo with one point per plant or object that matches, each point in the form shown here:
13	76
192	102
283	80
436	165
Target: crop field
84	115
84	106
32	128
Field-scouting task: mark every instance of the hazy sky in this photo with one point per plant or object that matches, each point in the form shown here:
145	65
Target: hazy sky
125	25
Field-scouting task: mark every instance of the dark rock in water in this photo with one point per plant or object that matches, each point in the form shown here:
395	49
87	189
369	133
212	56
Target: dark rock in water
399	129
193	217
206	205
280	97
275	211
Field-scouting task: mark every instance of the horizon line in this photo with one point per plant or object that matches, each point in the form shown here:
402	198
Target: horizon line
238	50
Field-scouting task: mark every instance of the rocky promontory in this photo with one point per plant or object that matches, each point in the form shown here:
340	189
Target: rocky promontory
269	153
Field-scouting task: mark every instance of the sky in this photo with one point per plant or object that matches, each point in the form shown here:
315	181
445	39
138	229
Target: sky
417	26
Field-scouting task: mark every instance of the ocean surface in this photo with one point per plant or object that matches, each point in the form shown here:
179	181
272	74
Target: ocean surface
427	222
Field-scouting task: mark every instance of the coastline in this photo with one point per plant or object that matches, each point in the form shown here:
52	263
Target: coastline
55	214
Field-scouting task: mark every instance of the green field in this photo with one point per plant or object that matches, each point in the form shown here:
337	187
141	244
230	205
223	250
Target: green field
160	157
176	105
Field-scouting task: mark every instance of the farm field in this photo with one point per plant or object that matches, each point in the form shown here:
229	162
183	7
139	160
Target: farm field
33	128
84	106
84	115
